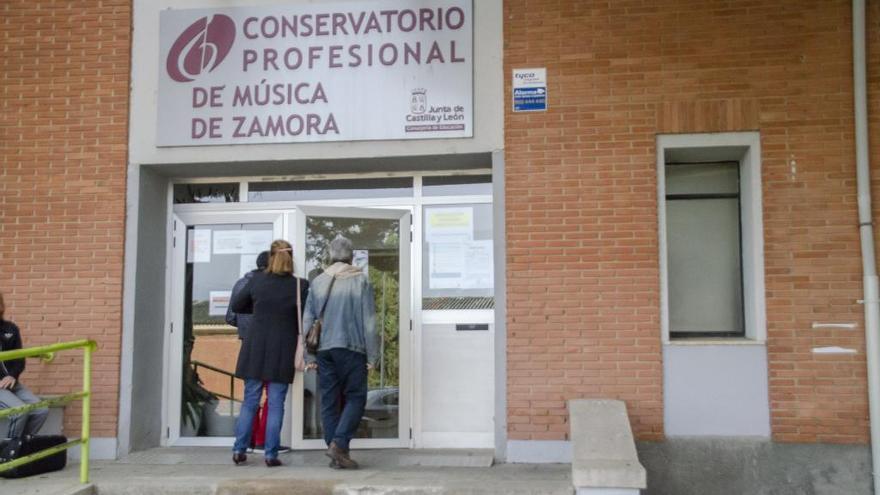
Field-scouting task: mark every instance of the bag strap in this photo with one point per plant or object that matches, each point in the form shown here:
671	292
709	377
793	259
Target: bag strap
299	313
332	281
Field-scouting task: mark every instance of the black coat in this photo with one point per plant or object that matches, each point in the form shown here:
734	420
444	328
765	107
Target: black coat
269	347
241	322
10	340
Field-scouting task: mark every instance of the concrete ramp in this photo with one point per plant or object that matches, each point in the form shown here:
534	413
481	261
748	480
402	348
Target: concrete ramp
604	457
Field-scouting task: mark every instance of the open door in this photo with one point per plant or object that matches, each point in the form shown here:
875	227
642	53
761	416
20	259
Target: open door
382	242
210	252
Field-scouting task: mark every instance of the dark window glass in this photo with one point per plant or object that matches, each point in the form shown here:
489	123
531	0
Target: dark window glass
330	189
703	240
457	185
206	193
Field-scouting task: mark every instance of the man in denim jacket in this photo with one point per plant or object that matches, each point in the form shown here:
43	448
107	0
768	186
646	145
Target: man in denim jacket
349	347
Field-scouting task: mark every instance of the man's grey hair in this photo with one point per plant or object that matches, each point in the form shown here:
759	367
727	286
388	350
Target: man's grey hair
340	249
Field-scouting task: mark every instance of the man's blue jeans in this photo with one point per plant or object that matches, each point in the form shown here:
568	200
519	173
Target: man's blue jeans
253	391
342	378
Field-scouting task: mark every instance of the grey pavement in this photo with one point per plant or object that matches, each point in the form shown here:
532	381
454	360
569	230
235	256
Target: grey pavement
209	471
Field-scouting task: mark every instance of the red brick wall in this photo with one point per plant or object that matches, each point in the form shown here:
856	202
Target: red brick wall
64	75
583	277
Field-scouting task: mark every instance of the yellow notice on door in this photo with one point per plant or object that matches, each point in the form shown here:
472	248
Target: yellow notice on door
449	224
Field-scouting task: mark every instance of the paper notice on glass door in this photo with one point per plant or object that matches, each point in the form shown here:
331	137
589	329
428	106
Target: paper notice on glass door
218	302
449	224
256	241
199	246
228	242
446	265
479	269
361	259
247	263
461	265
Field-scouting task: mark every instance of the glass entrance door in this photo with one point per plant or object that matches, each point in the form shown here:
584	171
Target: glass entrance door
212	252
382	243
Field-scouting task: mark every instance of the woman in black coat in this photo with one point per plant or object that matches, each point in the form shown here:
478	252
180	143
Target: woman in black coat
269	348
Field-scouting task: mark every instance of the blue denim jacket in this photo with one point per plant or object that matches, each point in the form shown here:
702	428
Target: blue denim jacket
350	317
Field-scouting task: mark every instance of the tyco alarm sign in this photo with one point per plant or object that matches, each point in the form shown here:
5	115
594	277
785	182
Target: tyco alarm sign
529	90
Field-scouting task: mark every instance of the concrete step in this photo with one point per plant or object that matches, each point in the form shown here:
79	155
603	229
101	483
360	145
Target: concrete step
113	478
332	487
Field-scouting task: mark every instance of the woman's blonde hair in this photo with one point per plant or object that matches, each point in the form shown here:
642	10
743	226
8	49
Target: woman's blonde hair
280	258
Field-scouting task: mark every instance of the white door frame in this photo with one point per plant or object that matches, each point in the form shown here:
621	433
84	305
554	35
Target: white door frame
288	210
174	327
405	372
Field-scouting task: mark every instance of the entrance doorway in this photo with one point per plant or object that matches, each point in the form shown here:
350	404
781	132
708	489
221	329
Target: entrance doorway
212	250
382	241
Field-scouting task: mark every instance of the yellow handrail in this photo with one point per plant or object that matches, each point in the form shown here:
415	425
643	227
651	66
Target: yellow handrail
47	353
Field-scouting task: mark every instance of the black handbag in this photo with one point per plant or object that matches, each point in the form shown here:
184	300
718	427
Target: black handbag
313	339
16	448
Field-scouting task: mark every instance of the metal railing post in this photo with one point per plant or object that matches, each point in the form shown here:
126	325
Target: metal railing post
86	413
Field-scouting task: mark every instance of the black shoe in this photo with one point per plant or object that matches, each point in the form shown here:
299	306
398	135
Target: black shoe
239	458
275	462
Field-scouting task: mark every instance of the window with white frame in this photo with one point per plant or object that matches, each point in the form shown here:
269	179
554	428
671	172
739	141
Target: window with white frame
704	251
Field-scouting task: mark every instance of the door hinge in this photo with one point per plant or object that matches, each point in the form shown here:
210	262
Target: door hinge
172	327
410	325
410	433
167	432
173	241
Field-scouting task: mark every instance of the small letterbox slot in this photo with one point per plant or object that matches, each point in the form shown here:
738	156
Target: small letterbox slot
471	327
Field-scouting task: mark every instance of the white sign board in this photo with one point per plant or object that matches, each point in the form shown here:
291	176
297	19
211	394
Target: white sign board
321	71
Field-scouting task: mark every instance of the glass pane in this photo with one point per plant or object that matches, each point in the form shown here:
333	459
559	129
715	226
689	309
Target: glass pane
457	185
206	193
457	260
377	249
216	257
330	189
705	286
702	178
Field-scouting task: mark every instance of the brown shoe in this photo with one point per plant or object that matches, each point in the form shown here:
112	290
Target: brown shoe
340	456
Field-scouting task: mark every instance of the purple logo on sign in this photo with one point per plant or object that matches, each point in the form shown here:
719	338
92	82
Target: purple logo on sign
200	47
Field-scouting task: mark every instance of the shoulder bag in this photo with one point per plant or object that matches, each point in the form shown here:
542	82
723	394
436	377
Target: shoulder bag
299	360
313	339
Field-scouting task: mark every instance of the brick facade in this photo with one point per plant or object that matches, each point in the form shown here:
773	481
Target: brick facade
64	75
583	277
583	270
